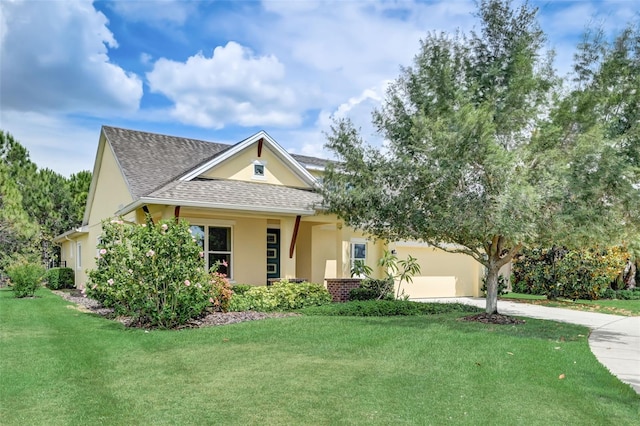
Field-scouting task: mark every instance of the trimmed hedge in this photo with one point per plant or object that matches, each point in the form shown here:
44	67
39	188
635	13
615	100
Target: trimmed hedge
58	278
281	296
385	308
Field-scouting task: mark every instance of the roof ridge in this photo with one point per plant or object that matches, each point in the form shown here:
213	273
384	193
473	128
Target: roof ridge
164	135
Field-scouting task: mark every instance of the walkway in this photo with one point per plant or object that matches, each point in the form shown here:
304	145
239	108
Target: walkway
614	339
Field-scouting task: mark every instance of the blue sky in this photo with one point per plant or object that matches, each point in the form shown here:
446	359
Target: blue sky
221	71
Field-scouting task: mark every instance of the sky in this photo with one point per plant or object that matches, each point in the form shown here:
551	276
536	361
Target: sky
223	70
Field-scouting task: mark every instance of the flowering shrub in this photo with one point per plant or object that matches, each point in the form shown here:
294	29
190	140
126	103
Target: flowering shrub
281	296
155	274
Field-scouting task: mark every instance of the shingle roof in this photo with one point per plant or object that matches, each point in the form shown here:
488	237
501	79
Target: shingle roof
310	161
239	195
150	160
152	163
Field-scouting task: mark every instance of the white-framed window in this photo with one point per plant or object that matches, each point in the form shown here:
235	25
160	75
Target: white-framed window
358	251
79	256
216	242
98	242
259	170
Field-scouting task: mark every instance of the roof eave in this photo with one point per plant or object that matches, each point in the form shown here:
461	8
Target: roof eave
219	206
71	233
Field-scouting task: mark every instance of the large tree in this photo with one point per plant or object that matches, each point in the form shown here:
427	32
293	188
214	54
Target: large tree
17	228
481	156
43	198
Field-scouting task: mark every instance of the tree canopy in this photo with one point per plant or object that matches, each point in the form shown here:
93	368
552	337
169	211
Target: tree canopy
487	151
36	204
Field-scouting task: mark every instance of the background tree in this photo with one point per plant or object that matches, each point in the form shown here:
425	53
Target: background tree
16	228
37	204
477	158
78	185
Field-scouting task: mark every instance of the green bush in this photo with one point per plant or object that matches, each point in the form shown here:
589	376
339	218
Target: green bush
241	288
155	274
58	278
383	308
574	274
281	296
633	294
25	278
372	289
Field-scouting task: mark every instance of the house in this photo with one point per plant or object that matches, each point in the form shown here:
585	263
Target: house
255	206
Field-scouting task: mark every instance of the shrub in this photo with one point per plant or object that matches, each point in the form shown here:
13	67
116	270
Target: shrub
241	288
58	278
25	278
281	296
574	274
633	294
155	274
372	289
381	308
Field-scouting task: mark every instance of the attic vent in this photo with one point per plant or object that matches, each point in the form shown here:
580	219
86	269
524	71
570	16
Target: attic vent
259	170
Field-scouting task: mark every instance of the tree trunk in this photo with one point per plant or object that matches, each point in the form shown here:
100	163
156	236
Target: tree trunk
492	289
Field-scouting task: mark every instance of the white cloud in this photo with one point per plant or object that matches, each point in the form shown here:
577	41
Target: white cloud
54	57
53	142
231	87
154	11
335	50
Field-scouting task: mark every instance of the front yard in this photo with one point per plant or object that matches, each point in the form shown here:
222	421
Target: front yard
60	366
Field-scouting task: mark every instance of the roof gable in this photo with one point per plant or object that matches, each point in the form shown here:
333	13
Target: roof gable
261	142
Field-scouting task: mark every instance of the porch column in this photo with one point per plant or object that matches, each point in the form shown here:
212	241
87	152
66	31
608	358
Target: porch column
342	252
287	264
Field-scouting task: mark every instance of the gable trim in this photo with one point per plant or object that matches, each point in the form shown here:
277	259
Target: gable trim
261	138
103	143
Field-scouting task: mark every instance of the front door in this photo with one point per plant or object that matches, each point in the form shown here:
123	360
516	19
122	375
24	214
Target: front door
273	253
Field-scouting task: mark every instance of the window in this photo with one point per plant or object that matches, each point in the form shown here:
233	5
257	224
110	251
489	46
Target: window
216	246
78	256
98	242
358	252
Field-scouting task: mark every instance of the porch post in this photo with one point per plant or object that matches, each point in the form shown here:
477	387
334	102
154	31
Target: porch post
287	263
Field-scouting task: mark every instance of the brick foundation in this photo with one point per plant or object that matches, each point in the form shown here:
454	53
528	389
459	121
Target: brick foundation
339	288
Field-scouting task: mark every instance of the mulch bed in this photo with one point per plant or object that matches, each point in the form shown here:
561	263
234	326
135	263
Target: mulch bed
493	319
86	304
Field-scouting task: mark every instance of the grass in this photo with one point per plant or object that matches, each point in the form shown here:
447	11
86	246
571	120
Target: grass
60	366
605	306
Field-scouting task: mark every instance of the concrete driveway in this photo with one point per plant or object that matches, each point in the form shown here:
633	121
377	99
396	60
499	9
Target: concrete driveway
614	339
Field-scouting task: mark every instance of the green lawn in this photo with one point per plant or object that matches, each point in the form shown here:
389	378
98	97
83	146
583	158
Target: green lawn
59	366
605	306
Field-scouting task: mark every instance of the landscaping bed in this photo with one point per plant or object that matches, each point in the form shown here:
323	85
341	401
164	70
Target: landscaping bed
212	319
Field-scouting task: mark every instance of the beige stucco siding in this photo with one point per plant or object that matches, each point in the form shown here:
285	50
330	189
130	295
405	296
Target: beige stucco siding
241	167
442	274
111	192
